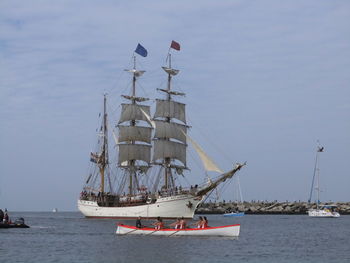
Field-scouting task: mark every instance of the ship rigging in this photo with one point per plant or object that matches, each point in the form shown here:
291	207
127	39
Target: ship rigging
148	167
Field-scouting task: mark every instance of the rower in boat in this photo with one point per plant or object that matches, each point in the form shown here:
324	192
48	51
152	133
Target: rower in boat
205	222
138	222
199	223
158	224
176	224
183	223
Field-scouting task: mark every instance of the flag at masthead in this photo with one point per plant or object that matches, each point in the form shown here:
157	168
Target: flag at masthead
141	50
175	45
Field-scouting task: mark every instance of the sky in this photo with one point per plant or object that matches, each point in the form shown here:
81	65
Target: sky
264	81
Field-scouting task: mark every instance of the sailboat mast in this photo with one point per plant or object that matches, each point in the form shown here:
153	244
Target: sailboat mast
318	180
317	176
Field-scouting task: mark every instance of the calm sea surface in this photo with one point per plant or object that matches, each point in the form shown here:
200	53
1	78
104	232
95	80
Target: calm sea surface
69	237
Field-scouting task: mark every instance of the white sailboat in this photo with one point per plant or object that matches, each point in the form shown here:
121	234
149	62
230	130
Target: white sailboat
146	186
240	200
324	210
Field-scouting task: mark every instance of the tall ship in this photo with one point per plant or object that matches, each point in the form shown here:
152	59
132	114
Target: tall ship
151	156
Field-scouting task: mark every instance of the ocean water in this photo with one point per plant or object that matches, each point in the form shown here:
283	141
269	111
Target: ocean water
69	237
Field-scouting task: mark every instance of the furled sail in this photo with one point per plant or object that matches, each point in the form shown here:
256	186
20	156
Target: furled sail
171	71
170	130
170	109
133	112
134	133
169	149
128	152
208	163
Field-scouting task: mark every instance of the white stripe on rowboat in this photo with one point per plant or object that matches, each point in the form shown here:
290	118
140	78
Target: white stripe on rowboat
229	231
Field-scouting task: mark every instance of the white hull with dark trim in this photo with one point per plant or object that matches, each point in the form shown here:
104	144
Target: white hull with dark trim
165	207
322	213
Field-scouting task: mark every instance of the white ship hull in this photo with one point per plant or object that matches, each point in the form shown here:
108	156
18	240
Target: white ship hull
322	213
165	207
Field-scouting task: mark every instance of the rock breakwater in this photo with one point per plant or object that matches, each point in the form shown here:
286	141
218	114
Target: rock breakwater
265	207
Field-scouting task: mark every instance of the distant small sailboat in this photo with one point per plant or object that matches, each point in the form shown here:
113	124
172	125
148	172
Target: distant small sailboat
325	210
234	214
55	210
237	212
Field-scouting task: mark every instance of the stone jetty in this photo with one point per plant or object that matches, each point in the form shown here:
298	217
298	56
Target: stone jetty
266	207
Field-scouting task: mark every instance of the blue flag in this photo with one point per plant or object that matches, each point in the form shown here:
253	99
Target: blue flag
141	50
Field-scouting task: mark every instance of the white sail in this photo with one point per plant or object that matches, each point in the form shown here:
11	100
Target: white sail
208	163
170	130
133	112
128	152
169	149
134	133
170	109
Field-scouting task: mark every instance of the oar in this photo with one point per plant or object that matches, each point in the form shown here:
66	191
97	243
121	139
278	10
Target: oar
130	231
152	232
174	233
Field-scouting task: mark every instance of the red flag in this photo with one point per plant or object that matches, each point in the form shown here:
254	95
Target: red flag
175	45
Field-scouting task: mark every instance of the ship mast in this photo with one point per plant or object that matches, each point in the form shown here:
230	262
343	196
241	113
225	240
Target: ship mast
100	158
104	153
132	122
167	174
170	136
131	151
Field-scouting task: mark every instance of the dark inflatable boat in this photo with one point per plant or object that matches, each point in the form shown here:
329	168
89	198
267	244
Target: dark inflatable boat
19	223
